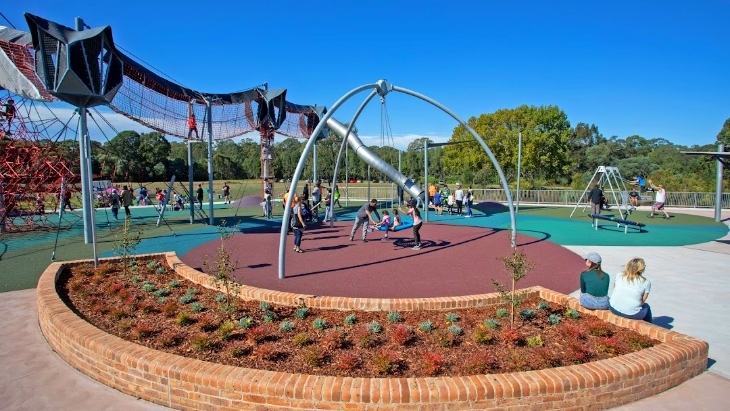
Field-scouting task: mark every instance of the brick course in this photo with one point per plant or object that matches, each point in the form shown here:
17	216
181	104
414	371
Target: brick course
185	383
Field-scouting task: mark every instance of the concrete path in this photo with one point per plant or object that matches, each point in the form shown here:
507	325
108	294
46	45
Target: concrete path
690	294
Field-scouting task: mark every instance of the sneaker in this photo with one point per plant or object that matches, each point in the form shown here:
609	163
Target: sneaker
364	240
352	238
651	215
417	247
384	239
666	218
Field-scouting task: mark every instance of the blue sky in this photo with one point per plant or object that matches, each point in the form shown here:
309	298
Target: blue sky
652	68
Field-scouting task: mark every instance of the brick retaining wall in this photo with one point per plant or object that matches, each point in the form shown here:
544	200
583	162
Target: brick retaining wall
185	383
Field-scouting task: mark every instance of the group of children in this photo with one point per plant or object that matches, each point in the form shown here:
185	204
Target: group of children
458	199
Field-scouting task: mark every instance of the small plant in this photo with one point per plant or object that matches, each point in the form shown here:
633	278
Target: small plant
491	323
599	329
639	342
266	352
554	319
574	332
483	335
319	324
502	312
455	329
126	324
516	267
160	270
152	265
184	318
452	318
148	287
161	300
221	270
386	362
401	334
226	329
394	317
510	336
162	292
173	284
170	338
125	245
444	338
313	356
264	306
269	317
286	326
347	361
351	319
142	330
220	298
245	322
201	342
535	341
301	313
527	314
543	306
239	349
147	306
257	334
191	291
426	326
432	363
481	362
300	340
333	340
364	338
196	307
169	308
374	327
187	299
572	313
208	323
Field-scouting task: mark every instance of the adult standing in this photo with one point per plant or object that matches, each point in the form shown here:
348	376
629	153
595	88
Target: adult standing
661	198
595	196
66	196
417	222
305	192
267	203
316	198
114	200
199	194
127	198
594	284
299	224
227	193
467	200
631	291
364	217
459	198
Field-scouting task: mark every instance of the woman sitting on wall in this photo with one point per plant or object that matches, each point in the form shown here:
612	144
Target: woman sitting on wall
594	284
631	291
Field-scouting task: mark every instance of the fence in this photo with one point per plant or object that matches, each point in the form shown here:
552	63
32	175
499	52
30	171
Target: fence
557	197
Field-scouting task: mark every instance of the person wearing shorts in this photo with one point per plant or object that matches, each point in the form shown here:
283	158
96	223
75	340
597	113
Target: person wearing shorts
661	198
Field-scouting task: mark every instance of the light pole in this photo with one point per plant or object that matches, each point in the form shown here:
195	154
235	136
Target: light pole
519	164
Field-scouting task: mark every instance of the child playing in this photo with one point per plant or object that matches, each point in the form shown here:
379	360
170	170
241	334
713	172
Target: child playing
396	220
385	222
417	222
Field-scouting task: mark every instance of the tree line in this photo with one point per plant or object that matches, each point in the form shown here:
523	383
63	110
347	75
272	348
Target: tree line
554	154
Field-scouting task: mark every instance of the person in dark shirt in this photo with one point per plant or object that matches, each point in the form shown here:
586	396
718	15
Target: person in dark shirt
199	194
595	197
365	218
9	113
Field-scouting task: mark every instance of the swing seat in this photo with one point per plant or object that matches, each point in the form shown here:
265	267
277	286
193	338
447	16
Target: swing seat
403	225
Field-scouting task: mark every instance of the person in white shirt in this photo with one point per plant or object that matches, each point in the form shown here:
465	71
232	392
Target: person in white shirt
661	198
630	293
459	198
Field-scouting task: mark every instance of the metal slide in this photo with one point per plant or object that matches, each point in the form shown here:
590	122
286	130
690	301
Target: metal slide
408	185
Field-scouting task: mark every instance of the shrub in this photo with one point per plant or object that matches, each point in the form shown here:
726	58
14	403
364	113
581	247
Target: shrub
607	345
184	318
578	353
599	329
115	287
510	336
574	332
226	329
266	352
319	324
502	312
394	317
554	319
201	342
269	317
239	349
444	338
543	306
535	341
491	323
364	338
516	267
160	270
161	300
426	326
147	306
286	326
245	322
135	279
187	299
374	327
196	307
386	362
300	340
264	306
173	284
126	324
351	319
170	338
148	286
483	335
432	363
219	298
333	340
639	342
481	362
301	313
191	291
572	313
313	356
527	314
208	323
142	329
347	361
257	334
452	318
152	265
162	292
401	334
455	329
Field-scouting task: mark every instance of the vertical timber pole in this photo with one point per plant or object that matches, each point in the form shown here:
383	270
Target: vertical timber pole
718	185
425	178
519	165
210	162
191	187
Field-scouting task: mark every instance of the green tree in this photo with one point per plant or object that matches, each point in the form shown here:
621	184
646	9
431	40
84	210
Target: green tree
724	135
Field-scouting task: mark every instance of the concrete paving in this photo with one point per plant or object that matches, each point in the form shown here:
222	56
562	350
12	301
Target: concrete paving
690	294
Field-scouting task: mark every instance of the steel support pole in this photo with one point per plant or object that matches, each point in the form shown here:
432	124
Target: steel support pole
314	160
519	166
368	199
210	161
718	185
191	172
425	178
85	207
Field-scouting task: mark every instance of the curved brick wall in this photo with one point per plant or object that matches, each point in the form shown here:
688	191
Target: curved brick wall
185	383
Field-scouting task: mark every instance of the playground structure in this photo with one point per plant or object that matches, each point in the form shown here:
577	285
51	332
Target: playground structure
612	177
619	222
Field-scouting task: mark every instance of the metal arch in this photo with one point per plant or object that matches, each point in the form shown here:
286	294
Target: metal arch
481	142
300	168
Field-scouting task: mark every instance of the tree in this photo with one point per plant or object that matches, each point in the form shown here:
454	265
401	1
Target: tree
724	135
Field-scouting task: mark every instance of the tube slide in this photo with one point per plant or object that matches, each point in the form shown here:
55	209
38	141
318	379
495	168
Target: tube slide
408	185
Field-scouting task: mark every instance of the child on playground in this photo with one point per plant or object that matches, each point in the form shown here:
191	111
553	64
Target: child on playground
396	220
384	222
417	223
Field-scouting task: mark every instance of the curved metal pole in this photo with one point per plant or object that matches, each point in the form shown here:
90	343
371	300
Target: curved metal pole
342	147
300	168
484	146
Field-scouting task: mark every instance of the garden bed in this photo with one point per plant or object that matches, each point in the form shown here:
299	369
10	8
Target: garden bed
133	307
